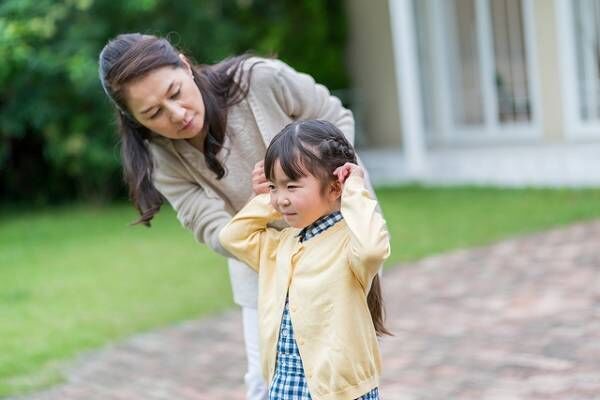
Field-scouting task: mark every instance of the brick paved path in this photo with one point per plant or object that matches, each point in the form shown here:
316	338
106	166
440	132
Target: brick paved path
516	320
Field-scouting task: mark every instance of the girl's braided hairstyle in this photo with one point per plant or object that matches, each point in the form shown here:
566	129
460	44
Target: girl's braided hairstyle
315	147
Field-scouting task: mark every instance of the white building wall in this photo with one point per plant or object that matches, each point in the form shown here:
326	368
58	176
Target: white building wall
554	158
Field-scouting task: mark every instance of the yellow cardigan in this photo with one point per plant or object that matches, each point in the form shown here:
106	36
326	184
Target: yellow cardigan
328	279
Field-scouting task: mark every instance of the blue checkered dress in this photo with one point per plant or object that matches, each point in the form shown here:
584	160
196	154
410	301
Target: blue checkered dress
289	382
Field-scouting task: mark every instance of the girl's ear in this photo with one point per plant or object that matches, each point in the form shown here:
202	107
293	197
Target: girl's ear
335	189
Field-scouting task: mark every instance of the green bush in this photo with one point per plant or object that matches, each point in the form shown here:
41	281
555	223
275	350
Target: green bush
57	133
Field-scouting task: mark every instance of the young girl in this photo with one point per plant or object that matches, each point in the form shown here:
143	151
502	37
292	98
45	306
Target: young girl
318	334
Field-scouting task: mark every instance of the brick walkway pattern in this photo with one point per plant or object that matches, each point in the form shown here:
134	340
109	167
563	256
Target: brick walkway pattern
516	320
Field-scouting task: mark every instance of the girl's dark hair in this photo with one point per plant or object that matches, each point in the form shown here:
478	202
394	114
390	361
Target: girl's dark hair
317	148
130	56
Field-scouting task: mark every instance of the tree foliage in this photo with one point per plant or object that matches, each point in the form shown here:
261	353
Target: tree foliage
57	131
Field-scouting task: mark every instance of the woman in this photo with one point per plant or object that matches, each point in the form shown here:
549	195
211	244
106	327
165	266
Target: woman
196	135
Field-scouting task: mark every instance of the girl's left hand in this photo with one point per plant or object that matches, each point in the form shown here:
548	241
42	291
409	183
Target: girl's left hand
347	170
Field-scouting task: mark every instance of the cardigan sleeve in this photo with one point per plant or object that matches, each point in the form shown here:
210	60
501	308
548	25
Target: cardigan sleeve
247	235
198	212
369	243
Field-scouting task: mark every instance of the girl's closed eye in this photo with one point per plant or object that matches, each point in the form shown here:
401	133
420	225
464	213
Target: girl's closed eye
272	187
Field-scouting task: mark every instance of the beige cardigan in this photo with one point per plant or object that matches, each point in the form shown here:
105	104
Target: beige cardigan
326	279
277	95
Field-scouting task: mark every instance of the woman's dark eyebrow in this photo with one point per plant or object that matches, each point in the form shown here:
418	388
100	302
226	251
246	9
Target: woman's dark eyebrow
167	92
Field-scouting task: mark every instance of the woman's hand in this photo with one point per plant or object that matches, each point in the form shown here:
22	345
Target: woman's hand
347	170
259	180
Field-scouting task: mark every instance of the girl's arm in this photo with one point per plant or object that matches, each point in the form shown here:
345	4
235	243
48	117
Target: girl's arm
369	240
247	236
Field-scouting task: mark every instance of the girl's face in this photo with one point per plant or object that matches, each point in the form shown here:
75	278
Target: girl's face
168	102
302	201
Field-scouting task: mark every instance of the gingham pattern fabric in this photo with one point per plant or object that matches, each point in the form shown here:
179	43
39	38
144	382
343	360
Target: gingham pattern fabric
320	225
289	382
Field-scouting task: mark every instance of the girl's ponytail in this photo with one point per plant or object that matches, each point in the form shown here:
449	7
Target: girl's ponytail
376	308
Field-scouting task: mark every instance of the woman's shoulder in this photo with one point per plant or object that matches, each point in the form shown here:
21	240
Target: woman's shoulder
263	63
263	70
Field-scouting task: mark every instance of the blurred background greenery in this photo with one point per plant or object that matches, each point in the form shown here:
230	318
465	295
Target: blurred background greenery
57	132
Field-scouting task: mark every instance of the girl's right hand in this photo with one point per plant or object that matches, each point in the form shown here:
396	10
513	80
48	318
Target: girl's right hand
259	180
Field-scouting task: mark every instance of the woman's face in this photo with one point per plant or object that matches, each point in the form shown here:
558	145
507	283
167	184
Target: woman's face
168	102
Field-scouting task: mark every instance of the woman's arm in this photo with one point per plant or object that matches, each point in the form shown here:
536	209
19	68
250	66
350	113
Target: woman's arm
202	214
247	236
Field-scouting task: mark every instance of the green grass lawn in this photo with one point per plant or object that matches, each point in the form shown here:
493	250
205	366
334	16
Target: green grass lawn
75	278
425	221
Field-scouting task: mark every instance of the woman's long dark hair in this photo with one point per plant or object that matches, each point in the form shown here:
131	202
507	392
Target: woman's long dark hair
131	56
318	148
